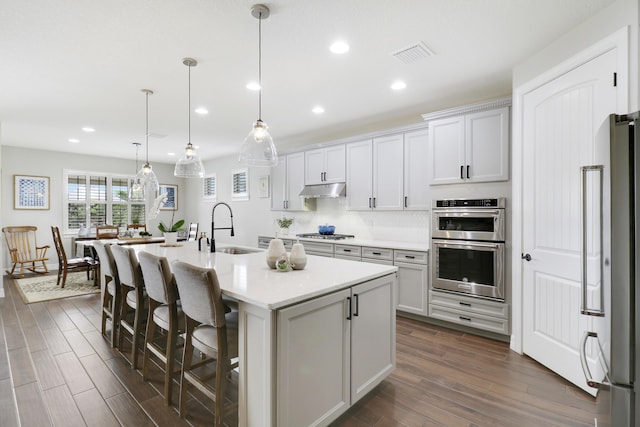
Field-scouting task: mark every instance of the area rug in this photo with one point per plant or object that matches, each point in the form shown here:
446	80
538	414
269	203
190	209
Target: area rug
44	288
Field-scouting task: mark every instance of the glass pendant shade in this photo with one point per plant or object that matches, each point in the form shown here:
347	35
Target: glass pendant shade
136	192
148	178
258	148
189	165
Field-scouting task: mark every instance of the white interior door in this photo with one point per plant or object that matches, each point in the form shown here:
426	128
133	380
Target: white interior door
562	121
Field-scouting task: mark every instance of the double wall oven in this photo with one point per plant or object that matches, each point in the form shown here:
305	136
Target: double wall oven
467	247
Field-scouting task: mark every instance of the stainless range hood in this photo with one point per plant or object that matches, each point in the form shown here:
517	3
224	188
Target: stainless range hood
337	189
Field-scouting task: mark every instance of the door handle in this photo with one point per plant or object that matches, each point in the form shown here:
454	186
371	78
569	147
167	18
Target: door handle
584	309
526	257
604	385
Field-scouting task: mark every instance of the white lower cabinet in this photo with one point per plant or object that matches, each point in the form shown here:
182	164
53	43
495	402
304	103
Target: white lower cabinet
330	351
478	313
413	281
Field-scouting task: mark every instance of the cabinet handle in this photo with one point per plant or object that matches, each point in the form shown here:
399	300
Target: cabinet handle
468	319
348	308
461	172
369	202
410	257
466	304
347	250
376	253
374	202
357	301
405	201
468	176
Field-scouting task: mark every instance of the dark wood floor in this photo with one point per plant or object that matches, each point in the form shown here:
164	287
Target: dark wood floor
57	369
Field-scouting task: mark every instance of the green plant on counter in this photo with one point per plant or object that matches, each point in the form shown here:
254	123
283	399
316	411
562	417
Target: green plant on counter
173	227
284	222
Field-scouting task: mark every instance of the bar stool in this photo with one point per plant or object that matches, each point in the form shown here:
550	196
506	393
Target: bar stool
164	312
111	290
132	296
209	330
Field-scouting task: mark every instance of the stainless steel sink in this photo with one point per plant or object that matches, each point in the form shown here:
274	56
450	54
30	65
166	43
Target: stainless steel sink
234	250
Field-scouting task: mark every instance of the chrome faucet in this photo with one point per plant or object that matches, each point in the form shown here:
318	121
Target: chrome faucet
213	228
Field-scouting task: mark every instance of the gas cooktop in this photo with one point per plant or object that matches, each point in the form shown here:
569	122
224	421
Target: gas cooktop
326	236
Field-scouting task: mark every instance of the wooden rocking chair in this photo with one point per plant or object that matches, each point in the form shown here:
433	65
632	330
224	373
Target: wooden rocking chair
24	249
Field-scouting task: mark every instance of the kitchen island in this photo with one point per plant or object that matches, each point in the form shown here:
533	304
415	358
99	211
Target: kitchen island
312	342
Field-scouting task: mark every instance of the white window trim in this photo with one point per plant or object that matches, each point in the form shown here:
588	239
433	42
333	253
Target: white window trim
109	202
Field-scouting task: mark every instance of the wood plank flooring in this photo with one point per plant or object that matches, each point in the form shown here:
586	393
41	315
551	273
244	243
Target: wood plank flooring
56	369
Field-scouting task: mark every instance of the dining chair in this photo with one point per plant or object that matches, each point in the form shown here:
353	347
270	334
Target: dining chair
164	313
210	330
193	231
66	265
132	298
111	289
107	232
139	227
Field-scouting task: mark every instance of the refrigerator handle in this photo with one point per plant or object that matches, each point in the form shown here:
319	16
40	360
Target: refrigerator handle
605	384
584	309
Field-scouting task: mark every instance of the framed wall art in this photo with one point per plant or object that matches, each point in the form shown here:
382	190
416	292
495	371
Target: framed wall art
30	192
263	186
171	204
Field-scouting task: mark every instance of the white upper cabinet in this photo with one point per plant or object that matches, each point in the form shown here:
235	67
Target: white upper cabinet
325	165
287	183
359	175
416	172
388	177
470	148
375	174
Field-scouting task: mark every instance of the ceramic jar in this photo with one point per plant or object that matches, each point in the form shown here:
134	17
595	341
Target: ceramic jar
298	256
275	251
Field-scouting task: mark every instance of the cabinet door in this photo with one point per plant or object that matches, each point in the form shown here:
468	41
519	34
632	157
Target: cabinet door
416	177
314	161
373	334
413	288
446	150
313	361
359	175
335	164
295	181
279	185
487	145
388	176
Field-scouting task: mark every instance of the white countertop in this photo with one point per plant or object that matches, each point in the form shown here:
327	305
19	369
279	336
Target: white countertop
365	242
247	277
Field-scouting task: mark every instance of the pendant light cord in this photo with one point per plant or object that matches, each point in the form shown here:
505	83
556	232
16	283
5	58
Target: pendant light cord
147	123
260	67
189	106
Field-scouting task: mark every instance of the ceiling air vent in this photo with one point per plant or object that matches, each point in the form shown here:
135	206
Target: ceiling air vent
413	53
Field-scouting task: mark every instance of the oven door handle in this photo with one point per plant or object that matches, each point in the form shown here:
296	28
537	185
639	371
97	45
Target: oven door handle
584	308
467	243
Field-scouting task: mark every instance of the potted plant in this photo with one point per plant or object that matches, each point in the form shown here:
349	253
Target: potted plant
284	223
171	232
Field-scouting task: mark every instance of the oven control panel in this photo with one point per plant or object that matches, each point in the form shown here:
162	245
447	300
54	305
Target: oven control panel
470	203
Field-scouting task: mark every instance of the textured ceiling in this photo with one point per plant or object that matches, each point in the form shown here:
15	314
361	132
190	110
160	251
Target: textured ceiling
66	64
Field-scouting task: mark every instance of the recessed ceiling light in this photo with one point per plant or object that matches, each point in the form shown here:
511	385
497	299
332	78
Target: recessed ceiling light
88	129
339	47
73	140
399	85
253	86
317	109
171	154
202	110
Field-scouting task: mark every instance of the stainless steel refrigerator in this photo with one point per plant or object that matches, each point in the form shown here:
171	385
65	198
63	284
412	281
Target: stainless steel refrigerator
620	210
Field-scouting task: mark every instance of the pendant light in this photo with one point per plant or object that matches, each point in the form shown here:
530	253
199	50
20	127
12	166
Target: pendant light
258	148
146	175
136	191
189	165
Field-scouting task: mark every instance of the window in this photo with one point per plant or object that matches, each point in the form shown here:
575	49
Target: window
240	184
94	199
209	187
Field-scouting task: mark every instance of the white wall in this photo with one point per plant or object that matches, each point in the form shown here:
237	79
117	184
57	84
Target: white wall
15	160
